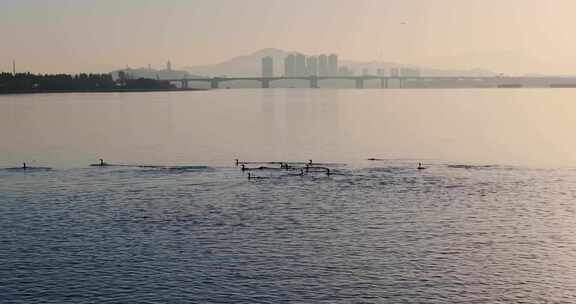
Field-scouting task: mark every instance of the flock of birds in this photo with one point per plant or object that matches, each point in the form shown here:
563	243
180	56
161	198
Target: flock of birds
300	168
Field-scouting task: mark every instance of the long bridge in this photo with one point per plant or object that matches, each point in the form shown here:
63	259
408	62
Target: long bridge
385	81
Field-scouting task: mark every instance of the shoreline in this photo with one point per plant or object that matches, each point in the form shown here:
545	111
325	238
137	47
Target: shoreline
15	92
24	92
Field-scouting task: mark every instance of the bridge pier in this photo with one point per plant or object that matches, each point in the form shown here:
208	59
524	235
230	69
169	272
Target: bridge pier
313	82
359	83
383	83
265	83
214	83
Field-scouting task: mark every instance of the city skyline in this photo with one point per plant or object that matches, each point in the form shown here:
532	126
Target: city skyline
521	37
301	65
328	64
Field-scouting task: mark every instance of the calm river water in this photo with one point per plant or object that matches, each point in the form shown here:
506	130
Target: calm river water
491	220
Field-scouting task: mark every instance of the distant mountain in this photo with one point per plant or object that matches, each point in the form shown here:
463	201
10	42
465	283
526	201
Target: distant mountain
250	65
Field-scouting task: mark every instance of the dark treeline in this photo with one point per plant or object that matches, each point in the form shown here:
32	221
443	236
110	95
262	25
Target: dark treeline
81	82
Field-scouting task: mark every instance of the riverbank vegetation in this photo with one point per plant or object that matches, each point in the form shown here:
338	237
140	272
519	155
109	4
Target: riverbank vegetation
27	82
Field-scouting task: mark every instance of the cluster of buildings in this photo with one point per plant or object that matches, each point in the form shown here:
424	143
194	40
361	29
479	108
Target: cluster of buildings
404	72
394	72
298	65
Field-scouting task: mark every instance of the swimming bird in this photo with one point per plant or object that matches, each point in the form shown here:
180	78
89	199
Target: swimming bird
25	167
420	167
251	176
243	168
101	164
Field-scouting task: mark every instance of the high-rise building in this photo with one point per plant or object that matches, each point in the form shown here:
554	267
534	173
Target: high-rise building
323	65
312	65
300	65
268	67
333	65
289	68
169	66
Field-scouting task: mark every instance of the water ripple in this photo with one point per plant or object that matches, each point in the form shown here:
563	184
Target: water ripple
380	234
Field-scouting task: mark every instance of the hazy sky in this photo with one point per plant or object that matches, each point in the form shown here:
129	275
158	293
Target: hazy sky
510	36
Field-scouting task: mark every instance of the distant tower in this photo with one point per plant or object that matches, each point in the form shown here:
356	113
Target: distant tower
13	67
299	65
323	65
312	65
169	66
122	77
268	67
289	66
333	65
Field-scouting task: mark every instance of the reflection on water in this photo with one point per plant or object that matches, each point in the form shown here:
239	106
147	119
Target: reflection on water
172	220
520	127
